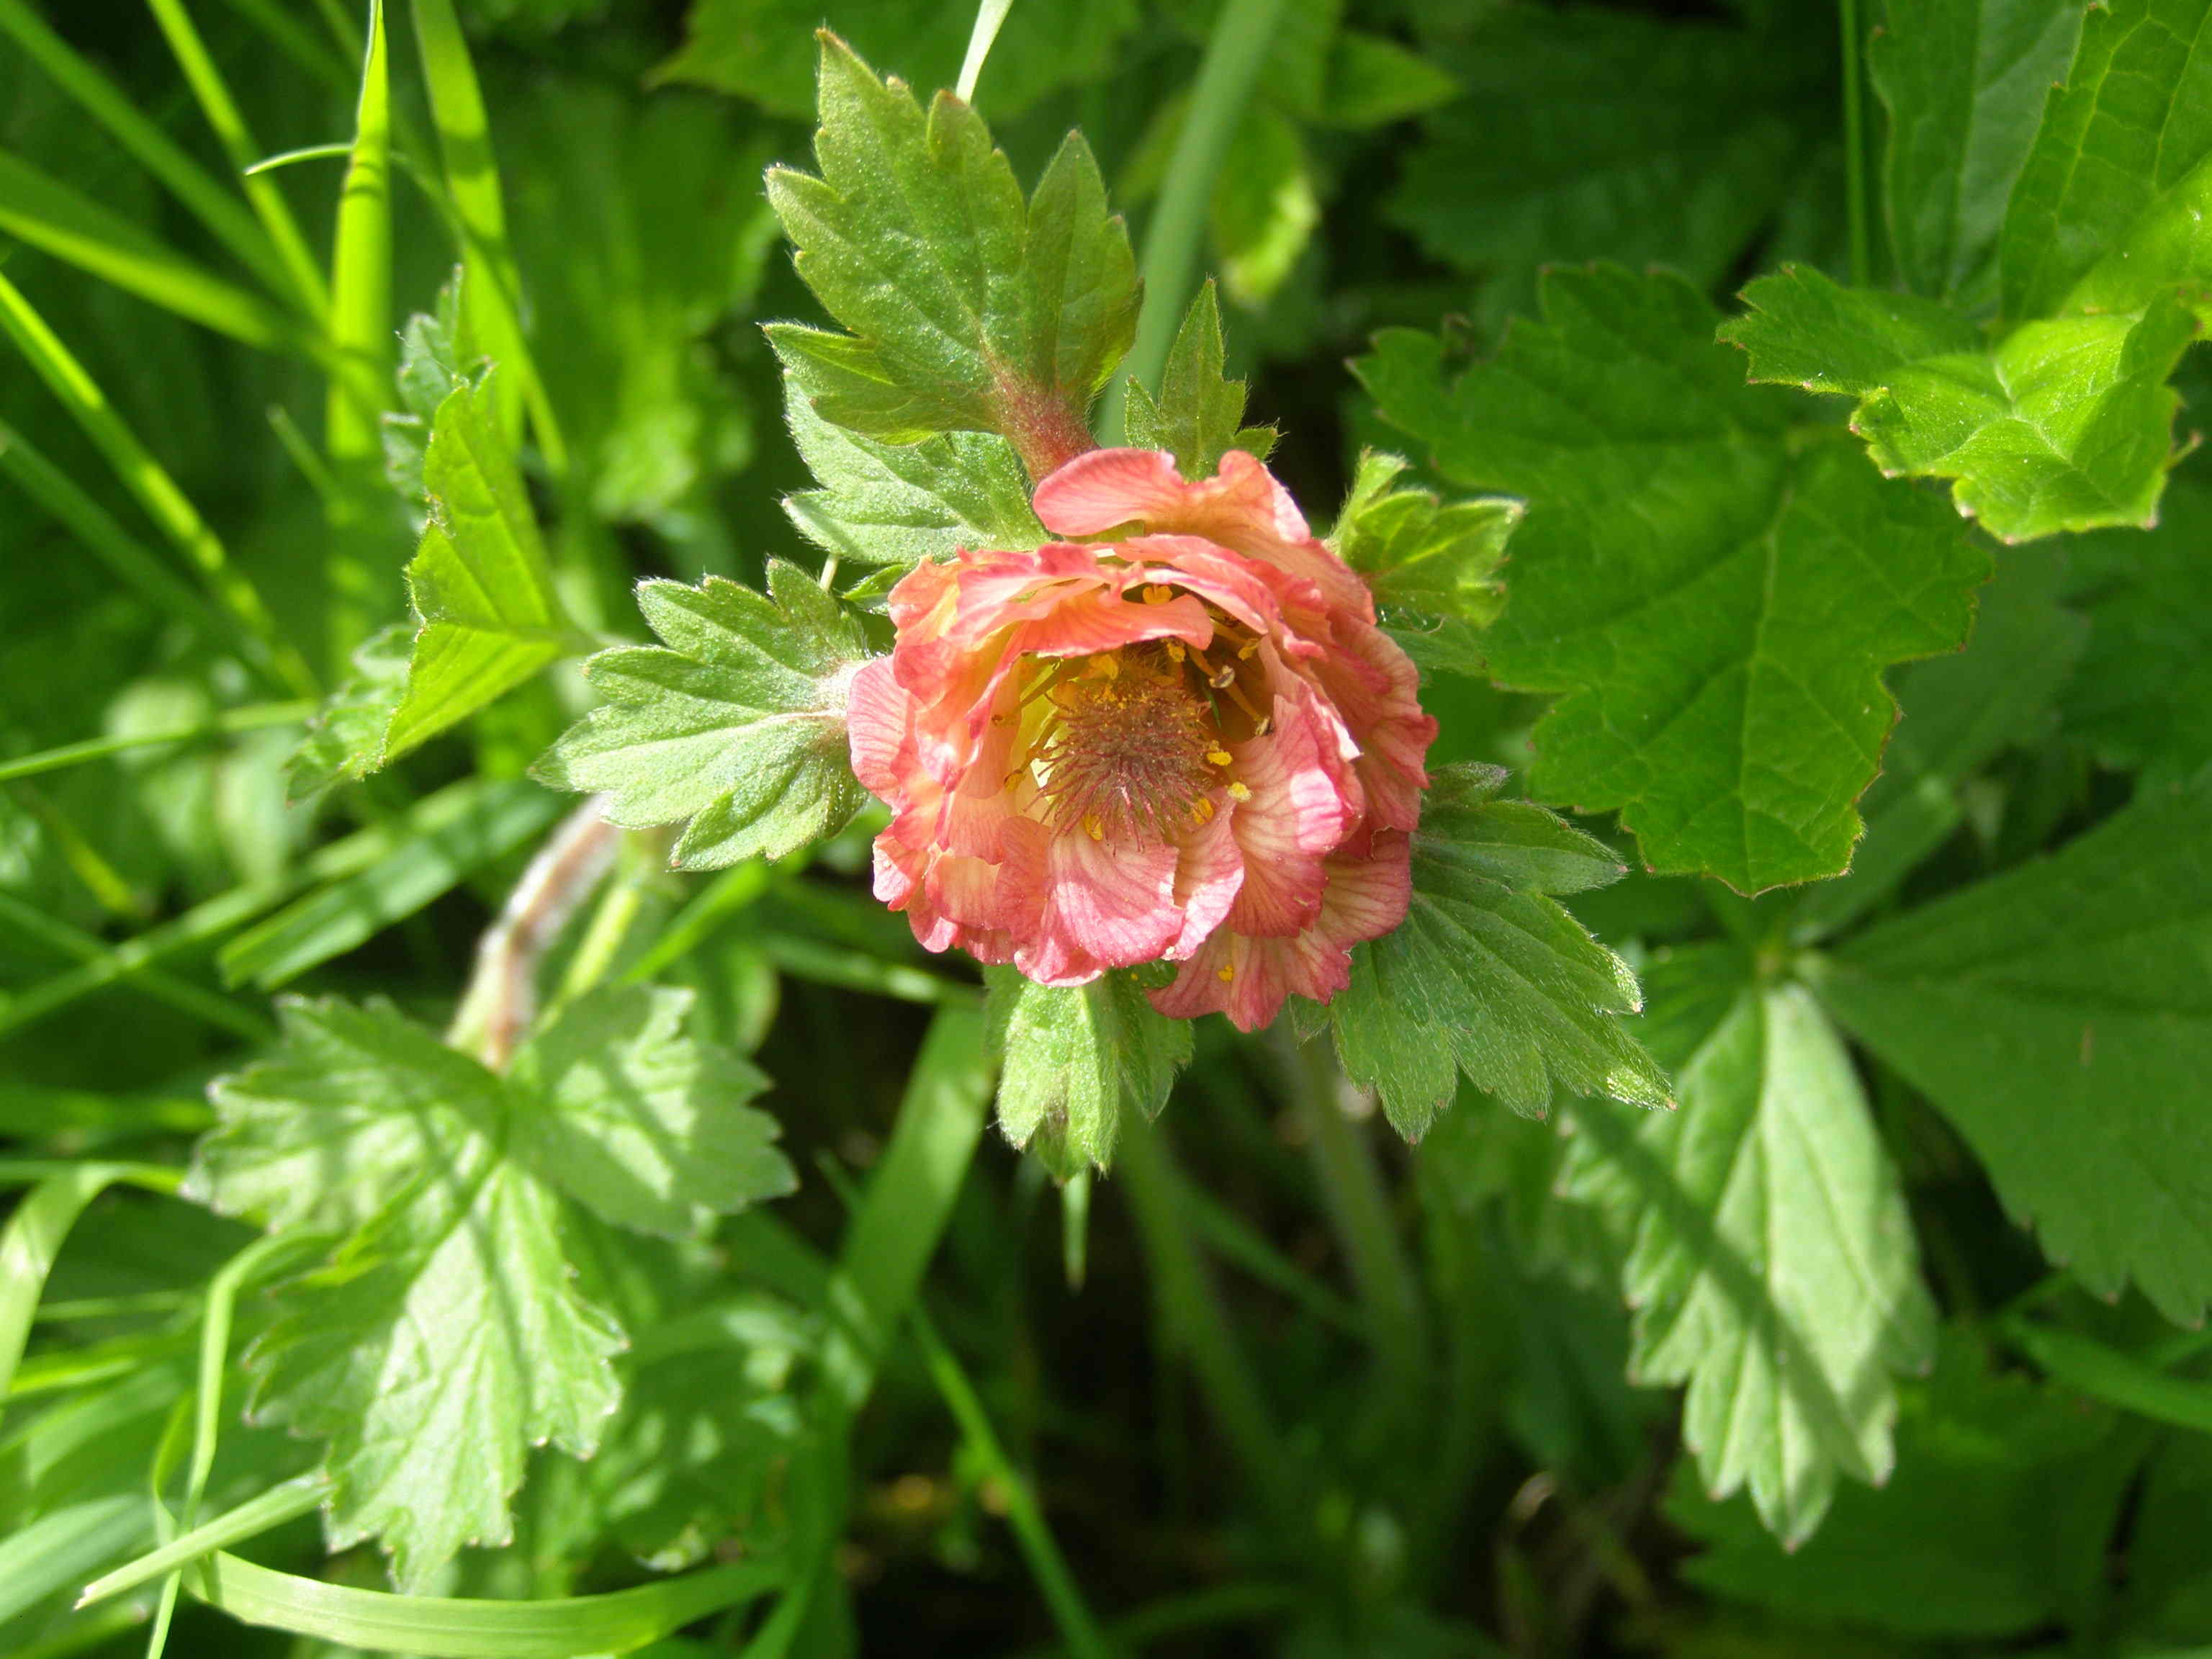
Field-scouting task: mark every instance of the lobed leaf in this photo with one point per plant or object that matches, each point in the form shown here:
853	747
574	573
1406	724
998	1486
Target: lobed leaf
1701	589
1198	415
2058	1015
1432	569
733	726
1072	1058
1771	1265
1488	975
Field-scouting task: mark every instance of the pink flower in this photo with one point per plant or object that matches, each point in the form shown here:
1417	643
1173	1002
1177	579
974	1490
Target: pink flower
1185	740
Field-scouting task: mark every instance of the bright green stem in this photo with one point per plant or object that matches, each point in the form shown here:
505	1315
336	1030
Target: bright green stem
252	719
360	332
1855	191
1225	79
1032	1534
1359	1209
1193	1314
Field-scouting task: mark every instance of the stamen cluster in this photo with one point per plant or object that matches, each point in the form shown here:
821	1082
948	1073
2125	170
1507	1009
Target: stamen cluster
1184	739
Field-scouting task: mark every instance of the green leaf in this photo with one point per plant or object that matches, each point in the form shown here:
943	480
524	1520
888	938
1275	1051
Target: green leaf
2064	424
970	310
346	738
1759	584
1072	1058
1958	713
445	1337
1197	416
2144	696
1373	80
2058	1015
1587	133
483	590
1964	82
2111	211
1488	975
437	359
1772	1265
646	1129
734	726
1432	569
1995	1524
900	504
761	50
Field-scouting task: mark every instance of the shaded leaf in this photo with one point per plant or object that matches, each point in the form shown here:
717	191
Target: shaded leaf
1071	1059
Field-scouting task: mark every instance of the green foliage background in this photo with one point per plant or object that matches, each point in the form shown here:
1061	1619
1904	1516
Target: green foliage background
1786	1260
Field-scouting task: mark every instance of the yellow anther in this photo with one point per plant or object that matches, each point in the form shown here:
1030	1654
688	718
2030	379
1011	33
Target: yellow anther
1174	650
1240	792
1221	678
1245	650
1094	826
1202	810
1225	973
1106	666
1219	757
1156	595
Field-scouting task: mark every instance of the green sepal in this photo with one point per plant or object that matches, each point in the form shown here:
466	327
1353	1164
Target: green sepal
1196	418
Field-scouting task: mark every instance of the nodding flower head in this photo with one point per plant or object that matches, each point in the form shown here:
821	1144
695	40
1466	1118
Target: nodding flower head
1181	738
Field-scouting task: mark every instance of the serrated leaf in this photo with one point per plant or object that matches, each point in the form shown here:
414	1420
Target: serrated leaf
1964	82
445	1337
970	309
1432	569
346	738
733	726
2111	212
2058	1014
1995	1523
1488	975
763	49
1071	1059
2064	424
437	359
1196	418
482	587
645	1128
1373	80
901	504
1773	1267
1758	585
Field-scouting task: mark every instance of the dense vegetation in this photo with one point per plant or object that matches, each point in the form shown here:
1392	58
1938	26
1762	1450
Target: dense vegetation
489	1178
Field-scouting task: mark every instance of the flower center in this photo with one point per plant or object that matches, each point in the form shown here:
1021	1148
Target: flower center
1130	747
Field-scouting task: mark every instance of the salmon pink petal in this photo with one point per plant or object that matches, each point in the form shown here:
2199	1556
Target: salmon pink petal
879	720
1108	487
1208	876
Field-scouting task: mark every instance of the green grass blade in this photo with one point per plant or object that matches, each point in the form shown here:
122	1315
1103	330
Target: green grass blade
456	106
166	504
990	15
361	330
451	1627
285	158
195	1001
2087	1366
305	282
200	192
60	1547
256	718
41	1221
286	1502
48	214
505	814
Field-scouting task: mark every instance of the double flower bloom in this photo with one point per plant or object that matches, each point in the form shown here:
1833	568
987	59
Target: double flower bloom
1186	740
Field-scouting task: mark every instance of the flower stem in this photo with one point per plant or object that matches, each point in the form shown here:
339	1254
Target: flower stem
1235	52
1855	191
989	15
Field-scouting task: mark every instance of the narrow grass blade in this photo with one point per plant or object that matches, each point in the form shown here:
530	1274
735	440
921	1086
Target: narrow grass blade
41	1221
143	475
450	1627
215	103
990	15
183	995
48	214
285	158
361	332
272	1509
61	1546
256	718
200	192
344	914
492	298
2085	1365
